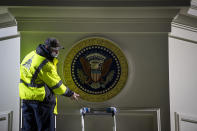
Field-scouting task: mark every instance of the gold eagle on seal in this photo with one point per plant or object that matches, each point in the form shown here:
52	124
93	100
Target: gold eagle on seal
95	67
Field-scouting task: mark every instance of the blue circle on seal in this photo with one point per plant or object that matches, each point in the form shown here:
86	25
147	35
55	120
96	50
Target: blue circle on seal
95	69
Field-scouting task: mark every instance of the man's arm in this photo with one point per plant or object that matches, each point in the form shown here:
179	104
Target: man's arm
50	77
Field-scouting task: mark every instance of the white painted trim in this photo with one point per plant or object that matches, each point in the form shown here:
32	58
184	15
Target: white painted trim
154	112
185	118
183	39
9	37
183	32
8	31
184	26
55	122
193	9
9	116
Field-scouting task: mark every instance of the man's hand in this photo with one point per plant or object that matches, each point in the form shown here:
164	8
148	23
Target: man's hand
75	96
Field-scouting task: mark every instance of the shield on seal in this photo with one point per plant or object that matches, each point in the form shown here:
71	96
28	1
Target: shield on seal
95	75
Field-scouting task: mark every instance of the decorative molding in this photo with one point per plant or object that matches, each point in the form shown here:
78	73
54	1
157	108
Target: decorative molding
179	117
7	116
184	27
6	19
94	19
9	37
154	112
3	10
186	33
8	24
179	38
95	25
94	12
185	20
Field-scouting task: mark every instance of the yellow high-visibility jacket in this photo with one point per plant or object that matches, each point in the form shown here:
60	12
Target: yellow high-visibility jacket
39	79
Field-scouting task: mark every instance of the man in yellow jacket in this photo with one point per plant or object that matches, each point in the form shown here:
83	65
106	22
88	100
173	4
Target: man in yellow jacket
39	85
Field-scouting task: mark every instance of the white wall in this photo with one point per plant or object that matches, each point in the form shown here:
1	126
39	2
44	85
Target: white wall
141	33
9	76
183	74
183	81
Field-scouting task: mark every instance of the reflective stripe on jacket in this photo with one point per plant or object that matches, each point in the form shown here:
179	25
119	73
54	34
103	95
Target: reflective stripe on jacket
40	81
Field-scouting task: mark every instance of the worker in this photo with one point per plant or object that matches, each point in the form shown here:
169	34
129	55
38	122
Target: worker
39	86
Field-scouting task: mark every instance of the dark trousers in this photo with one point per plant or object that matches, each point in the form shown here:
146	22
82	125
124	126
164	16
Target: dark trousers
38	117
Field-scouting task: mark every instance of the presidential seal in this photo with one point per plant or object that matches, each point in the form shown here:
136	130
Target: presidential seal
95	68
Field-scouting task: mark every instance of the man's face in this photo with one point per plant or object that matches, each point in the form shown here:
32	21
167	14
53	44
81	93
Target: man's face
54	51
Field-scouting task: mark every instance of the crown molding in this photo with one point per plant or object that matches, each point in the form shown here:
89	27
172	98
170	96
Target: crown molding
184	31
182	39
6	19
3	10
181	118
94	19
184	26
94	12
186	21
95	25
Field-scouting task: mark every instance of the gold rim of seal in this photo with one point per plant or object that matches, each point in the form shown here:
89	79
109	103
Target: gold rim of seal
101	42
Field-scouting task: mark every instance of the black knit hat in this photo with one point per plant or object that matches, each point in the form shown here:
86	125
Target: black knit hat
53	42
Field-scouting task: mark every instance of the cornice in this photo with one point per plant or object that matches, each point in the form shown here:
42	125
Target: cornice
94	12
94	20
6	19
184	26
183	39
91	19
92	25
185	21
